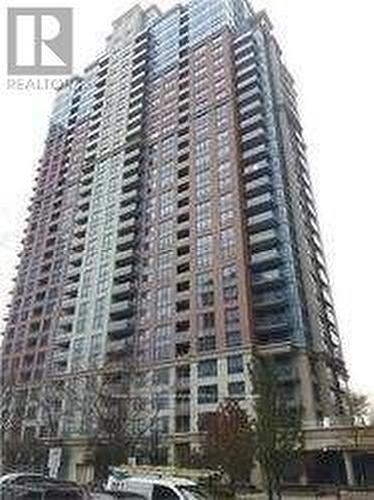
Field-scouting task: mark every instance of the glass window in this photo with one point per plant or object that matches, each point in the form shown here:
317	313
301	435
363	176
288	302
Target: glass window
166	235
206	343
226	208
204	289
162	342
164	493
222	116
167	203
204	251
236	389
164	303
161	376
165	266
205	322
167	175
235	364
229	283
202	185
227	242
207	394
207	368
224	176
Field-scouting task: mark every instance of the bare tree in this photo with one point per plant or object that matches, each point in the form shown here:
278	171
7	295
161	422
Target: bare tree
229	443
278	429
359	407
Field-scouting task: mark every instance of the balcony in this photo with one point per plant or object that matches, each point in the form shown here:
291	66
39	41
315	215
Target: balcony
122	346
253	152
249	109
253	138
128	197
125	290
252	79
259	185
124	242
124	307
255	170
255	122
263	240
247	95
259	203
128	210
132	156
265	259
123	273
261	222
120	329
266	280
130	182
127	224
125	256
271	300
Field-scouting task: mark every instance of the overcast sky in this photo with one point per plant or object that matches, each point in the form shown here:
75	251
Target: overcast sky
328	45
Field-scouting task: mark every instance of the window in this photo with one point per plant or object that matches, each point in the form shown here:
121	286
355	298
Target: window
207	368
99	315
226	209
202	185
236	389
166	235
235	364
222	116
201	147
232	317
165	266
164	303
162	343
207	394
206	343
202	127
161	376
168	147
167	203
163	493
233	338
167	175
203	217
232	327
182	423
229	283
161	400
223	145
202	162
82	317
204	289
163	424
205	322
204	251
227	242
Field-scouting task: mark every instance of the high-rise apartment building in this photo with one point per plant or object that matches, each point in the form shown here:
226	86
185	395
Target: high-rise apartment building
173	222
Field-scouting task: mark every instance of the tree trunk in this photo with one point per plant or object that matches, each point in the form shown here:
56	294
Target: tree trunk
270	493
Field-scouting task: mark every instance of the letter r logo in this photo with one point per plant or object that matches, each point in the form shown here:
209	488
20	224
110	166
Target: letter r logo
40	41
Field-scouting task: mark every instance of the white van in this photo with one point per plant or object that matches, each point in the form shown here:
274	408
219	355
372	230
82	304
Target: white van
157	488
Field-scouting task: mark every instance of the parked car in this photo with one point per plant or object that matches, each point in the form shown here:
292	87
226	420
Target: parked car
23	486
155	488
117	496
